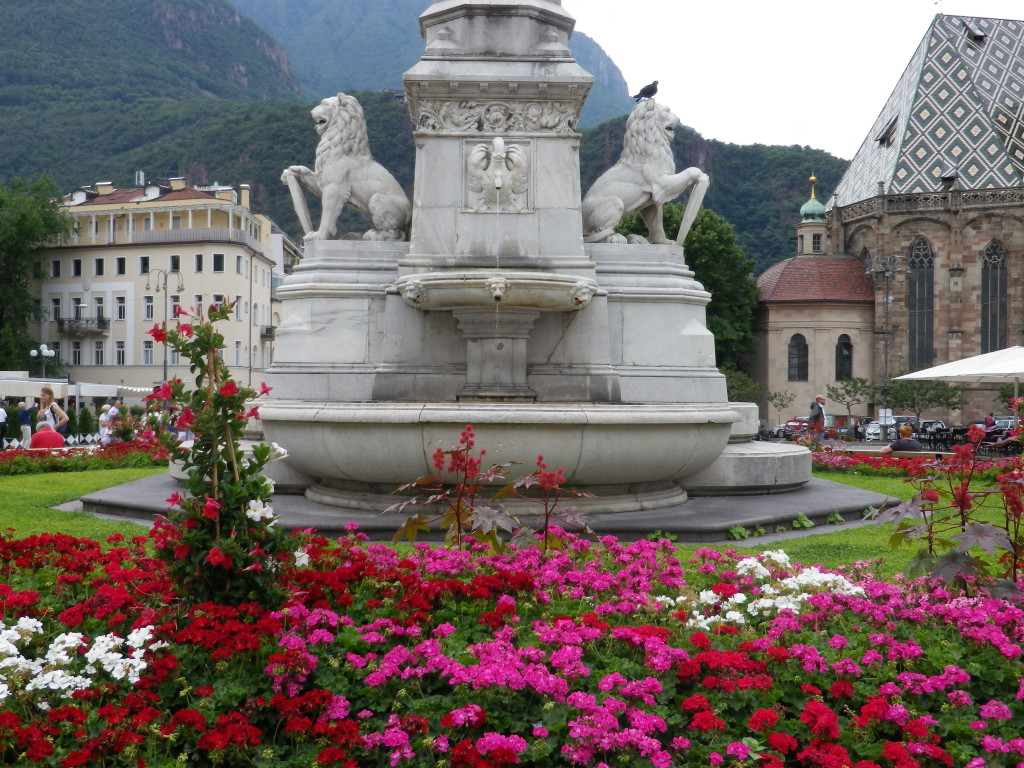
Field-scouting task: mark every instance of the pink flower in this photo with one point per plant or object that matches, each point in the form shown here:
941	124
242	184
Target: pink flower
264	389
185	330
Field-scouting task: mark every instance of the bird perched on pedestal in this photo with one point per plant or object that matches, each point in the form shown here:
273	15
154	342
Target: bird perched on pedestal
647	91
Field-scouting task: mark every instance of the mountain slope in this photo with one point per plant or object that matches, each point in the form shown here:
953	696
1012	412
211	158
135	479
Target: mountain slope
367	45
121	50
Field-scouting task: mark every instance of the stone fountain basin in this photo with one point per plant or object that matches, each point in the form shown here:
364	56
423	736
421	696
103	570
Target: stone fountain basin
472	289
387	444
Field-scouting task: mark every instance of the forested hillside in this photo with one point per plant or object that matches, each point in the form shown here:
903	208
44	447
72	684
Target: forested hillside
96	106
368	44
60	51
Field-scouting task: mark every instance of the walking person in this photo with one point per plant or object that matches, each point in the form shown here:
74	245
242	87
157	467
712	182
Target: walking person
3	426
816	418
25	421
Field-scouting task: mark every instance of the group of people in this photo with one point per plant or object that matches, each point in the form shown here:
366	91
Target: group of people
51	420
904	442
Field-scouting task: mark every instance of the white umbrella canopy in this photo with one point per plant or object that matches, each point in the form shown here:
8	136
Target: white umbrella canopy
1001	365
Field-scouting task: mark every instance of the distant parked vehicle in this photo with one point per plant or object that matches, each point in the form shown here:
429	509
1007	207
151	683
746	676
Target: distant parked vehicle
794	427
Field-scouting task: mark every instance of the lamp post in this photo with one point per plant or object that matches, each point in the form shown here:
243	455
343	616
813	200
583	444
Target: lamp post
43	353
160	277
882	269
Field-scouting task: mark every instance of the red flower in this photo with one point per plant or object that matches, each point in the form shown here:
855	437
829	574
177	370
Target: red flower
264	389
228	388
217	557
158	333
211	508
706	721
762	720
782	742
185	330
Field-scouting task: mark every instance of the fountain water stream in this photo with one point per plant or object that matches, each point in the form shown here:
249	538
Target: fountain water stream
595	354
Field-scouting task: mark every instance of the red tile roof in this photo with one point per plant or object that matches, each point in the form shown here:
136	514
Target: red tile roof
138	194
817	278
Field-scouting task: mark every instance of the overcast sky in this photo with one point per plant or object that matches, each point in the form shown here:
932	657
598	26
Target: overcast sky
783	72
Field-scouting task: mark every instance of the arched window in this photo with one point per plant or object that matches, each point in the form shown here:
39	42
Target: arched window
920	305
865	258
844	358
797	358
993	297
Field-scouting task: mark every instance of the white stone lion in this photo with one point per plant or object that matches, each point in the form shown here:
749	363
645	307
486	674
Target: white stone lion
346	173
643	180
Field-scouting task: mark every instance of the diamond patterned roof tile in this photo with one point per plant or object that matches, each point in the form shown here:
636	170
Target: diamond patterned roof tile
958	107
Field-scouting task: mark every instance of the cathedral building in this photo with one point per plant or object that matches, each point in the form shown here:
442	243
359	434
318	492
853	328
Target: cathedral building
924	232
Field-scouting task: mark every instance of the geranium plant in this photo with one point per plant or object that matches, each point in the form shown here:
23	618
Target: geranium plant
222	543
468	517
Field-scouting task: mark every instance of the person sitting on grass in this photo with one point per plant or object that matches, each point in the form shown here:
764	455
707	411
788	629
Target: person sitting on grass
905	442
46	437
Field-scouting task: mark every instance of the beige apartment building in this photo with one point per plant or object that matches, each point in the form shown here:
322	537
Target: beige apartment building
135	255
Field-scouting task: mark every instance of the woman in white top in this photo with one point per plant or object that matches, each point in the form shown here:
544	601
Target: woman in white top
105	424
49	411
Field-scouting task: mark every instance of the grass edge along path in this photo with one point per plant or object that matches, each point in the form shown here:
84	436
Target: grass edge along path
27	501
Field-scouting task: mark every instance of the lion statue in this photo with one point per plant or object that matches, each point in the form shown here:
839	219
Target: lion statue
643	180
346	173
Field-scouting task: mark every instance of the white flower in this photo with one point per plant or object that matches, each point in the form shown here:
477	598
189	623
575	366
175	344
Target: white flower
301	558
749	566
707	596
259	511
277	452
776	557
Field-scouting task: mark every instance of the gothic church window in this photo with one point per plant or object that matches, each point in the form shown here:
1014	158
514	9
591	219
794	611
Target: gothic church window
797	358
993	297
920	305
844	358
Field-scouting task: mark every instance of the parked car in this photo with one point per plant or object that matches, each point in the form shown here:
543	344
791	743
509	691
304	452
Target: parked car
873	431
795	427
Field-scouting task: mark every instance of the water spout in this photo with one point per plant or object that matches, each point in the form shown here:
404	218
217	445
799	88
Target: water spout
497	286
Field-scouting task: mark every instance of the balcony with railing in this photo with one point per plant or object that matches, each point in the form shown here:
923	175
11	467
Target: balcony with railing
267	332
83	325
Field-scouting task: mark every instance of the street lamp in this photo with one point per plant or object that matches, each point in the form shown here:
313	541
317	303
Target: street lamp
882	269
43	353
160	276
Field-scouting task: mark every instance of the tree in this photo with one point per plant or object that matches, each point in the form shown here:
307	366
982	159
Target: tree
780	401
851	392
918	396
723	269
1006	397
740	388
30	215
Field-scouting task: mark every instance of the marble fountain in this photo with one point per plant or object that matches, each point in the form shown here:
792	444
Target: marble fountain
500	296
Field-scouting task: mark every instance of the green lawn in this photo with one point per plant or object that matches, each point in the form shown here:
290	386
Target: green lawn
26	503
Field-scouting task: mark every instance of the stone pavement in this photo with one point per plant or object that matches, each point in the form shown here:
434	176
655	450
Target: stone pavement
699	520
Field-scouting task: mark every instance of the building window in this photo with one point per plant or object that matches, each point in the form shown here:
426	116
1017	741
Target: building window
816	243
55	308
78	307
97	302
55	268
255	313
175	222
76	267
147	223
173	357
98	267
120	266
147	352
176	262
238	263
920	304
238	353
218	262
199	302
143	265
865	258
797	358
97	353
993	297
119	354
147	308
121	307
175	305
199	262
844	358
76	353
799	244
55	347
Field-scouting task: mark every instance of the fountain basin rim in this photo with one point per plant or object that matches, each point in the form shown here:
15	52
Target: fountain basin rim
513	414
510	288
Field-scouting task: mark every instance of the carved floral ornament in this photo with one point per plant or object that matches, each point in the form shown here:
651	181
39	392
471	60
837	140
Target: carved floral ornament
443	116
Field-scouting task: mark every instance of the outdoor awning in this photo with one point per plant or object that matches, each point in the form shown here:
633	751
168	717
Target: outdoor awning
1003	365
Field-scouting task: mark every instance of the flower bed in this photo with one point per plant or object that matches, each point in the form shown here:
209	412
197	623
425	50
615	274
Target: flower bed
604	654
140	452
890	466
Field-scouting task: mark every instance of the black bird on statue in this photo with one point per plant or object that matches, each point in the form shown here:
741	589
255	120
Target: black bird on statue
647	91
